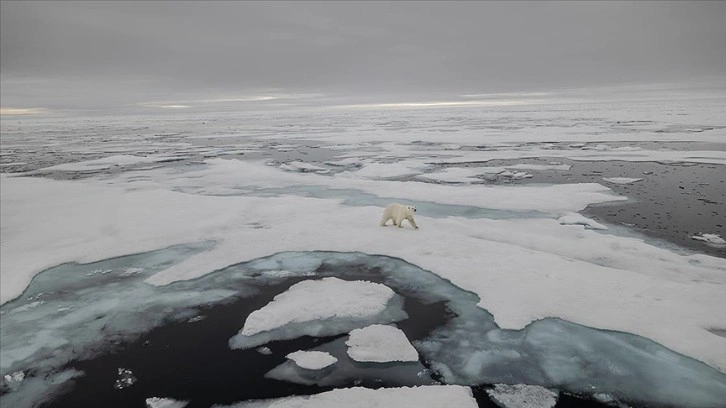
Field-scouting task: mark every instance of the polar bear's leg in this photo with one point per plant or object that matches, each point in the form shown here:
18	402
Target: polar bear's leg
384	220
410	219
399	221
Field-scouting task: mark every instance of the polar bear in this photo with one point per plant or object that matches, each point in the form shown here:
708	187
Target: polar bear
399	212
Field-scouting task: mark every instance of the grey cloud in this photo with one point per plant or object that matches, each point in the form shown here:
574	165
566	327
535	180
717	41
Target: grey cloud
120	52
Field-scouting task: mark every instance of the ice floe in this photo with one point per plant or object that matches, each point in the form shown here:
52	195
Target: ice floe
381	344
156	402
578	219
125	379
522	396
711	239
303	167
108	162
391	170
319	307
312	360
433	396
621	180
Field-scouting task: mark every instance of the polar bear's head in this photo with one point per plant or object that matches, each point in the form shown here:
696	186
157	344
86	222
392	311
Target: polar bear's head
411	209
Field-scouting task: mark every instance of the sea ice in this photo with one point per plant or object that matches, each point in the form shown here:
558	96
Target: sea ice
312	360
319	307
431	396
380	344
522	396
621	180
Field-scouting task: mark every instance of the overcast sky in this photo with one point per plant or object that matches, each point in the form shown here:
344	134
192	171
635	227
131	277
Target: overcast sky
57	55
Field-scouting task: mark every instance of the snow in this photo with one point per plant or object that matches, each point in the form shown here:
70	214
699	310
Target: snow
621	180
578	219
156	402
381	344
312	360
522	396
433	396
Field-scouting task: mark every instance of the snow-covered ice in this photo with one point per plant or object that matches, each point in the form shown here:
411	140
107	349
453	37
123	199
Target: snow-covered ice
381	344
529	282
312	360
432	396
522	396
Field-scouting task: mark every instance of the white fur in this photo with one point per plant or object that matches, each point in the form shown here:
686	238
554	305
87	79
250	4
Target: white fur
399	212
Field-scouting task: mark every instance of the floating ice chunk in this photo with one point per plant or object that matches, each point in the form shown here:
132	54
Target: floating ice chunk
621	180
578	219
107	162
350	161
302	167
156	402
391	170
264	351
711	239
312	360
125	379
346	371
599	147
526	166
428	396
319	299
320	307
515	175
13	380
284	274
132	271
25	308
381	344
522	396
459	174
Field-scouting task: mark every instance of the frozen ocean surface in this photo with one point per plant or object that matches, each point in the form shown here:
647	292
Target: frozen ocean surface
116	230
